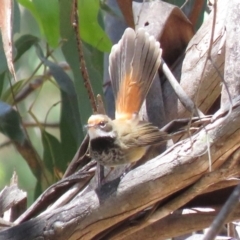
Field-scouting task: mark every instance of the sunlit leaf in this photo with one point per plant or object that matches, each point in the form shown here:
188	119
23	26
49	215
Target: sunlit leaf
48	12
47	15
90	30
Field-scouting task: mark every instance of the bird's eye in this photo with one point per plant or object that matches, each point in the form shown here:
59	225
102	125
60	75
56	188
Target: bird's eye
102	124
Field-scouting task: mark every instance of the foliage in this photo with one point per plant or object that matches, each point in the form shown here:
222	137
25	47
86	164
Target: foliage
48	95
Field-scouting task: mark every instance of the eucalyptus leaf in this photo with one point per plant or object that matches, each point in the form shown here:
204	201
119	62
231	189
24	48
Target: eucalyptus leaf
3	60
46	14
23	43
52	153
2	77
10	123
92	56
90	30
70	123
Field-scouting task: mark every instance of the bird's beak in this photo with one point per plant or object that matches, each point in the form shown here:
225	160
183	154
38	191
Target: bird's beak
89	126
92	131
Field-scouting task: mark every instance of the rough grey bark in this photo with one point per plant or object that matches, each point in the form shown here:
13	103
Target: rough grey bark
91	213
232	60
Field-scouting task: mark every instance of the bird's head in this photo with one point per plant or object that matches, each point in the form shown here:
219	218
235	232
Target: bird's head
100	125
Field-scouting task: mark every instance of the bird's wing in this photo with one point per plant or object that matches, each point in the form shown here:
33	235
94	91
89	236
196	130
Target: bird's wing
143	134
133	64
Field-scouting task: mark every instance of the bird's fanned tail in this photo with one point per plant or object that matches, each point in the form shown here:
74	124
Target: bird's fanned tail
133	64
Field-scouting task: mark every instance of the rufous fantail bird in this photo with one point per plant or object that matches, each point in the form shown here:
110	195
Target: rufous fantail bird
133	64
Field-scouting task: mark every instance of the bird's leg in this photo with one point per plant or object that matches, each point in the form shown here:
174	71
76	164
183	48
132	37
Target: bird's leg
101	179
100	174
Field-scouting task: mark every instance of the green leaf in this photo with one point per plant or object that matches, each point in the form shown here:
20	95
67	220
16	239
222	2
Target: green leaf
23	43
92	56
52	153
47	15
48	12
38	189
3	61
70	52
94	61
10	123
115	12
90	30
70	124
2	77
28	4
16	18
178	3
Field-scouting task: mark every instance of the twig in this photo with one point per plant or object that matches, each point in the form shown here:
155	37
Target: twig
32	124
183	97
209	55
100	105
224	214
80	159
226	210
35	84
83	67
6	144
36	69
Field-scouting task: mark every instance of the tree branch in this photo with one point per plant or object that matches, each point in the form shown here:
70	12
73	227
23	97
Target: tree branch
93	212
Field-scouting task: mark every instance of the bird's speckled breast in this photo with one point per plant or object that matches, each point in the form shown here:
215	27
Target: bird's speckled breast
106	152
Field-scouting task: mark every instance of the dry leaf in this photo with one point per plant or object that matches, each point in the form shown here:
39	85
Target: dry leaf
6	30
167	23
